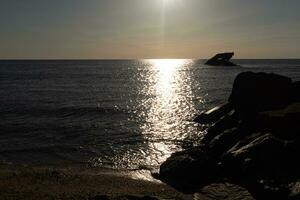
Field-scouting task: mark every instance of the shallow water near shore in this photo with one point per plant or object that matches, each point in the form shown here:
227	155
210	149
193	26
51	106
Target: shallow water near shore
120	114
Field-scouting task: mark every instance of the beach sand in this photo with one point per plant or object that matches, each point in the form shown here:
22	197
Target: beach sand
80	183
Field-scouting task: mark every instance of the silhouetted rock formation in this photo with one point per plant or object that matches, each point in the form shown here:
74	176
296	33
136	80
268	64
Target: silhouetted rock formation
254	142
221	59
188	170
260	91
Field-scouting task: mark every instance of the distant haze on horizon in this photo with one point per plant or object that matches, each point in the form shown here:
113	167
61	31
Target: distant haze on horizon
117	29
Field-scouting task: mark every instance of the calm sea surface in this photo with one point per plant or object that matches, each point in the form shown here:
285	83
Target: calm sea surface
124	114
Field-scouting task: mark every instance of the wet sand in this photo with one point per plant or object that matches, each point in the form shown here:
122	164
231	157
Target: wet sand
80	183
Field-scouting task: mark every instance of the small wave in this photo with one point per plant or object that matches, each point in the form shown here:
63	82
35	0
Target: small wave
62	112
46	155
44	149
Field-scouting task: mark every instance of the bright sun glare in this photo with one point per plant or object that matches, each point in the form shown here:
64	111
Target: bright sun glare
168	1
160	118
167	63
167	72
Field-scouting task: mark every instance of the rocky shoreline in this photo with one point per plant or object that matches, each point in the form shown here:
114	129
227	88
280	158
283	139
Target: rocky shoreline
252	146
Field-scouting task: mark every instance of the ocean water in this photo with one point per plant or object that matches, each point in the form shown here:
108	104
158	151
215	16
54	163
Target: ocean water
123	114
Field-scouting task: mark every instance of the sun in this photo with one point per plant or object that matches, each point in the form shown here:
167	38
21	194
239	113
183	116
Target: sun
171	3
168	2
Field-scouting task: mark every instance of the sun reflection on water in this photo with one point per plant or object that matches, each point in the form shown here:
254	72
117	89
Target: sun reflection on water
161	108
167	73
168	108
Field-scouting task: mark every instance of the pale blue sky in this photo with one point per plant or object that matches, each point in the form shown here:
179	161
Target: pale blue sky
95	29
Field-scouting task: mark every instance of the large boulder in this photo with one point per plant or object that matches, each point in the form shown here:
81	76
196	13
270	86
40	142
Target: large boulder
254	142
253	92
284	123
188	170
265	157
264	164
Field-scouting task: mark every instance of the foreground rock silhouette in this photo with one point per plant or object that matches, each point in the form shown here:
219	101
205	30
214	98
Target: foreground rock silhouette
254	143
221	59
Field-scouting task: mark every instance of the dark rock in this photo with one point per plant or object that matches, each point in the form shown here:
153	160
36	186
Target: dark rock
224	141
254	92
226	122
214	114
186	171
283	123
296	91
221	59
223	191
266	157
267	189
254	143
294	191
246	140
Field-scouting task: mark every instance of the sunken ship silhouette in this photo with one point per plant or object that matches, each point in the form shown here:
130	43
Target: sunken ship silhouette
221	59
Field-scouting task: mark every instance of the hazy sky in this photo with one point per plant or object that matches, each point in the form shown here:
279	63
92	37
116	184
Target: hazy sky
149	28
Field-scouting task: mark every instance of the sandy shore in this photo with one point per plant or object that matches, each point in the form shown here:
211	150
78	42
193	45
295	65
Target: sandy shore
79	183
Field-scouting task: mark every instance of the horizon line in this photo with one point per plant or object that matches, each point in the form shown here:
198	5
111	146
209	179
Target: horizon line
83	59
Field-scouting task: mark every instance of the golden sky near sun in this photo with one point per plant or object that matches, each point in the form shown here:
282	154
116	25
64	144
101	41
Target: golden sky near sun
149	28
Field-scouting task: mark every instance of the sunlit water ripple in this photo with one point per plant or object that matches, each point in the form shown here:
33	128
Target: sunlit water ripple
129	114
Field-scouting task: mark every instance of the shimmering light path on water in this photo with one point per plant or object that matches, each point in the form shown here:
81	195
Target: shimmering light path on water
164	112
169	107
128	114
